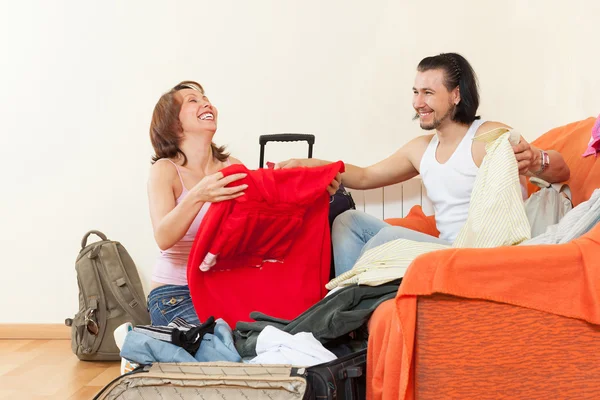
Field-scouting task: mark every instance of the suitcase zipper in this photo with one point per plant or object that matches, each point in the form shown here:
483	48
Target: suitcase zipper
139	369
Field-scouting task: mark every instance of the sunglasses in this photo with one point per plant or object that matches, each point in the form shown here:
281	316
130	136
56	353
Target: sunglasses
90	322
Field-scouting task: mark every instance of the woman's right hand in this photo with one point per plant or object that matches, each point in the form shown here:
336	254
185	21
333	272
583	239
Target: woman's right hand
212	188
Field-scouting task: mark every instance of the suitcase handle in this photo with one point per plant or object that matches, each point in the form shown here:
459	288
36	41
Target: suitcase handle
284	137
350	373
287	137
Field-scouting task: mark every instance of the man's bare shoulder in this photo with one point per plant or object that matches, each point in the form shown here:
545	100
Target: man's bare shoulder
490	125
420	142
415	149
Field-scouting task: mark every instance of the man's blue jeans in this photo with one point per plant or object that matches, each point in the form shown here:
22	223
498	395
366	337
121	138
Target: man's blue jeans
355	232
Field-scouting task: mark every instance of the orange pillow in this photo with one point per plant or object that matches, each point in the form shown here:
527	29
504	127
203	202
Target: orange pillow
417	221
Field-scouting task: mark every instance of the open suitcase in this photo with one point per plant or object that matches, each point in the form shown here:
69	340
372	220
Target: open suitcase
343	378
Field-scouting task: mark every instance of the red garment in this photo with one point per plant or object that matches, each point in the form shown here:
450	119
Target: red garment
283	216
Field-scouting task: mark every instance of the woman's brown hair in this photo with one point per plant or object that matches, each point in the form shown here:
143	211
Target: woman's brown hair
165	128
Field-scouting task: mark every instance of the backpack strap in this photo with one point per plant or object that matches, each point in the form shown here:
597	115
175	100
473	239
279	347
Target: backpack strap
119	283
564	189
95	309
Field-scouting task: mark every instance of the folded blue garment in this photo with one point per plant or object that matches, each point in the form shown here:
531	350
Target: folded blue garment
143	349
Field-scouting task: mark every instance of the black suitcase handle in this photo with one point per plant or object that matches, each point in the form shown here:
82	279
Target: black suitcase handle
284	137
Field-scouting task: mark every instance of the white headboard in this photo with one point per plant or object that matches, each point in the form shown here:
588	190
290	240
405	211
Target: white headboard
393	201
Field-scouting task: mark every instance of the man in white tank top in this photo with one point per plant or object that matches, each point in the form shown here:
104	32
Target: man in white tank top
445	99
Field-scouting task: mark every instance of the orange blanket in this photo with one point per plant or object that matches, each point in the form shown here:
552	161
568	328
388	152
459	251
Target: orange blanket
558	279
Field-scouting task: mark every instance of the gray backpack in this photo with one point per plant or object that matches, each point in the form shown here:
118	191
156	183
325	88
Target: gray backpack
110	294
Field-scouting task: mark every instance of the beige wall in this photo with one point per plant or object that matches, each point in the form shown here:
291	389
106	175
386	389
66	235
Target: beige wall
78	81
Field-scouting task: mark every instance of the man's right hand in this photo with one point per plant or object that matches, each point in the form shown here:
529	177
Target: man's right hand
311	162
335	184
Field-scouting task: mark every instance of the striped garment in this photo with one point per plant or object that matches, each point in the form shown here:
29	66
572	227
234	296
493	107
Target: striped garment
180	333
384	263
496	218
497	213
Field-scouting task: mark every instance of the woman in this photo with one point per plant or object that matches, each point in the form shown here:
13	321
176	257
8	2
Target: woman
184	181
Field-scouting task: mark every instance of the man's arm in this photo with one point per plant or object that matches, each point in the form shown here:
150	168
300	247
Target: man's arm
399	167
557	170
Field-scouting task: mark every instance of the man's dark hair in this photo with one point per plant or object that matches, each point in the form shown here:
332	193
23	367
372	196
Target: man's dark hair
457	72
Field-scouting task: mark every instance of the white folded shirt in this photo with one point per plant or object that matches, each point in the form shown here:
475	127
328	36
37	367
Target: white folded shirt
274	346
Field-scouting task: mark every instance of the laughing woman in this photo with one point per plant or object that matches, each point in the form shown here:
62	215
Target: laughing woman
184	181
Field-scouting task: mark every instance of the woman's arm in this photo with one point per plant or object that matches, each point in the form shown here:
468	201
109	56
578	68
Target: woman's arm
170	220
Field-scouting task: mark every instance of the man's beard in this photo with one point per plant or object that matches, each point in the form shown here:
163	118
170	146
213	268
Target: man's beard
437	122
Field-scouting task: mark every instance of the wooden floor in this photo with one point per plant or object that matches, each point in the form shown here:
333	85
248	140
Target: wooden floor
47	369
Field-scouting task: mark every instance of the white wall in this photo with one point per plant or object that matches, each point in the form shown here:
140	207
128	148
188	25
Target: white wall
78	82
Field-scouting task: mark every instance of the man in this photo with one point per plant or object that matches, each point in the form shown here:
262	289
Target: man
445	98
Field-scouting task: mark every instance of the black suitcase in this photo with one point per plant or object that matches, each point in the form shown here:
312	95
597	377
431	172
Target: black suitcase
344	378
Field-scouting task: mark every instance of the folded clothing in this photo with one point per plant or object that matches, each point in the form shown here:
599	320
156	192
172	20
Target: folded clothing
144	349
330	320
275	346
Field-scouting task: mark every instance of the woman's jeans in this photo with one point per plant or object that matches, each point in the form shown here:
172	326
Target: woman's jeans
170	301
355	232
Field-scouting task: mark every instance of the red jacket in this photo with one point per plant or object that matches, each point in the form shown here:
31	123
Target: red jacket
272	246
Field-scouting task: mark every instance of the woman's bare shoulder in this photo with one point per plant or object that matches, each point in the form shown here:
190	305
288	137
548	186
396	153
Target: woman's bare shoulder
234	160
162	171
